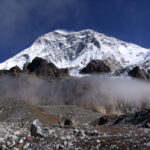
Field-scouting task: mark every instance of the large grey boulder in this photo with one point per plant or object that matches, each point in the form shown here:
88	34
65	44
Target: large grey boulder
36	129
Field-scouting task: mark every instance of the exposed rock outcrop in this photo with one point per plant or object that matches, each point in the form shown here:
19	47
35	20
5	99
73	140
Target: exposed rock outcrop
25	69
41	67
96	66
134	72
141	118
137	72
14	71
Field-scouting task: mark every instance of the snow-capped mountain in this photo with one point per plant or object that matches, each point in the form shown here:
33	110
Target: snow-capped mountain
77	49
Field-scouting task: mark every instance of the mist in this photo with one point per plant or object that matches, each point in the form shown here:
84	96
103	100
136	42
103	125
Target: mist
101	94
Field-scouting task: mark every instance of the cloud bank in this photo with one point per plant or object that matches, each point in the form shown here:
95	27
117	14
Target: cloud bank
96	93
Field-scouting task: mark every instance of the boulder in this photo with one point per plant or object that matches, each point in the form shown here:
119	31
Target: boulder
147	125
103	120
36	129
96	66
68	122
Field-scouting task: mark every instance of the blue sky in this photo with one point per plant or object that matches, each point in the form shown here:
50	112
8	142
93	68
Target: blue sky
22	21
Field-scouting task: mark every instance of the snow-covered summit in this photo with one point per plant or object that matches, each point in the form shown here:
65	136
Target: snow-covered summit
76	49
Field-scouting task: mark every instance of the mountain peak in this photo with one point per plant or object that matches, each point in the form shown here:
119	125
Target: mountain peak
77	49
61	31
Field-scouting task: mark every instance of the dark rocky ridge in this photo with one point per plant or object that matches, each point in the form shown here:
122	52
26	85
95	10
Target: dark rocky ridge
96	66
134	72
14	71
39	67
139	73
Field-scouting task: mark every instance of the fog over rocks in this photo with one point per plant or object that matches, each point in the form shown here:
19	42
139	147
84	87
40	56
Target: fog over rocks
98	93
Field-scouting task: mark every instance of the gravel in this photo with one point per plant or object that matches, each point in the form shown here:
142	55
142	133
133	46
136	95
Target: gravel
17	136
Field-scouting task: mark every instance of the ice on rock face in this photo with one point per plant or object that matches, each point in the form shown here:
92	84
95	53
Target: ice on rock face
77	49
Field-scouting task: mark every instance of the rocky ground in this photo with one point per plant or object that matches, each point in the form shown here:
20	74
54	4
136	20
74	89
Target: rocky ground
17	135
65	127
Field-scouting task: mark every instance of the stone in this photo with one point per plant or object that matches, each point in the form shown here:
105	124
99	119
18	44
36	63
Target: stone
68	137
4	146
21	141
100	121
15	148
69	144
65	143
63	138
59	146
17	133
12	143
76	131
8	143
26	145
68	122
98	141
148	144
36	129
92	133
147	125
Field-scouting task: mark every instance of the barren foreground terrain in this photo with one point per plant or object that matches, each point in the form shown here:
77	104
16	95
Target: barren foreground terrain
64	127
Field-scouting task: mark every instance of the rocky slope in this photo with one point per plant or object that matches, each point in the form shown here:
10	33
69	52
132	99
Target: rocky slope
38	67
